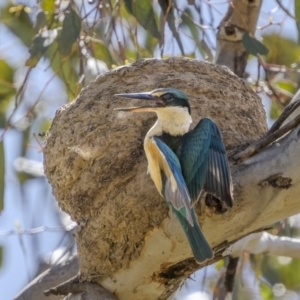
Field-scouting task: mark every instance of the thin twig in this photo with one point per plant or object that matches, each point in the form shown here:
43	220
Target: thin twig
289	109
205	36
285	9
72	285
262	63
211	15
258	74
213	5
21	89
268	25
193	21
38	230
91	11
266	140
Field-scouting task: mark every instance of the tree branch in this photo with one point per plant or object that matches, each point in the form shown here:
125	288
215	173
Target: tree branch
77	290
285	9
267	139
264	242
53	276
288	110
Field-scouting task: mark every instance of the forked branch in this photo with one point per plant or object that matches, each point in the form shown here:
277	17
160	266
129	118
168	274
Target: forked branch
273	134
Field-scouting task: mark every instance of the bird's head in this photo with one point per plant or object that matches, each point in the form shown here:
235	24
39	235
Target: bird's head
157	100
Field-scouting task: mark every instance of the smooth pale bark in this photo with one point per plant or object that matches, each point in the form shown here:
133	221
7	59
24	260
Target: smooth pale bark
266	243
241	17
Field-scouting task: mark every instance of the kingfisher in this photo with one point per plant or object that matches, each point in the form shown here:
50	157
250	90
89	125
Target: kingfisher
185	165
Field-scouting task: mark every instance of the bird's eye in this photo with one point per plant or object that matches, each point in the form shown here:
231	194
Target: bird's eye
167	96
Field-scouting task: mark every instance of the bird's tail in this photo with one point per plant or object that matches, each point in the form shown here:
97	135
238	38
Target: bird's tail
196	238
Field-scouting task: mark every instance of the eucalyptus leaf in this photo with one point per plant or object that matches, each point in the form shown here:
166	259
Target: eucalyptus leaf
70	32
143	11
253	46
101	52
40	20
19	23
39	45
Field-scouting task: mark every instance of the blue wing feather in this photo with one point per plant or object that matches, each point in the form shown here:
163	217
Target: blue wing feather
181	205
196	238
180	197
204	162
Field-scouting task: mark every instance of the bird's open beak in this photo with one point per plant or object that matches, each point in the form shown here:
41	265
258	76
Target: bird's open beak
152	101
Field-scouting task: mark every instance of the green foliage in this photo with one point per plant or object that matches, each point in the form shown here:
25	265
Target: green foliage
48	6
143	12
297	15
220	264
253	46
45	43
150	43
276	110
283	51
37	49
46	126
287	87
100	51
18	21
266	291
6	80
70	32
287	274
41	20
7	89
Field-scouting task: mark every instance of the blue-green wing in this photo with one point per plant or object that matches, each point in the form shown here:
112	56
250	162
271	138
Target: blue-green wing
175	188
177	196
204	162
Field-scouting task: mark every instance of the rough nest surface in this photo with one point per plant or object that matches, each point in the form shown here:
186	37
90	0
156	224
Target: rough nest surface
94	156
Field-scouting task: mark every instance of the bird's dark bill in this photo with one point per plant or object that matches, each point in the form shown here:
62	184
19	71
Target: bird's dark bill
152	101
137	108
